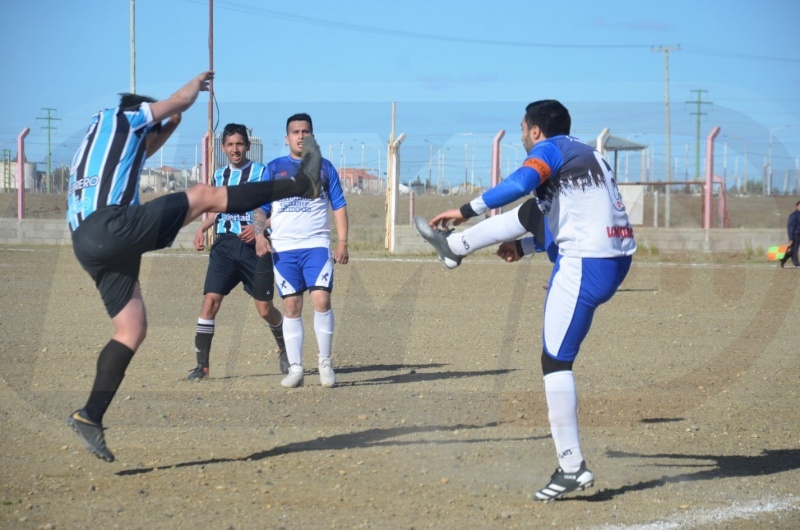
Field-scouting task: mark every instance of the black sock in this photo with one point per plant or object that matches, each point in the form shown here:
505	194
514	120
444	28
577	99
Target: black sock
111	366
277	332
202	342
243	199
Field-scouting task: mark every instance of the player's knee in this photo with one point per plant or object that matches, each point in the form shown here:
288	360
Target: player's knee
266	310
203	198
550	365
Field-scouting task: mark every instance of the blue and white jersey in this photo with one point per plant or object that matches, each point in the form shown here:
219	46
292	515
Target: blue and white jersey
303	223
232	223
106	169
576	190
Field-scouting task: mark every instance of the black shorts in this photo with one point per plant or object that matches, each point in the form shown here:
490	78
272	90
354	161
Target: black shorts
233	261
109	244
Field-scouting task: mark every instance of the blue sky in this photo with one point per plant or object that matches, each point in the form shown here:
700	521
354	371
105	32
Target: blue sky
458	71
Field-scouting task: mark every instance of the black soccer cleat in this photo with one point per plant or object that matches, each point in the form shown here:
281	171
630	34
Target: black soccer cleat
438	240
91	434
310	168
283	361
198	373
562	483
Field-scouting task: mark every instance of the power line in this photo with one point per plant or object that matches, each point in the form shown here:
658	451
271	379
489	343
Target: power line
281	15
292	17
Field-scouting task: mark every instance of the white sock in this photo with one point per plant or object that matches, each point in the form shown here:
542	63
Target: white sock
323	327
562	406
293	336
490	231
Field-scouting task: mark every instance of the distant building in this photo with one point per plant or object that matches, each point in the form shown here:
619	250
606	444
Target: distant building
9	171
359	180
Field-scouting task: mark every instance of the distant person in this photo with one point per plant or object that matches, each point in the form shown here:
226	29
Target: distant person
793	230
233	258
574	187
111	229
301	245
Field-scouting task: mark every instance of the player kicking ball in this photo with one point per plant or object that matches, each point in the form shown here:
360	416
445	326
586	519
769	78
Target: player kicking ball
590	241
111	228
505	229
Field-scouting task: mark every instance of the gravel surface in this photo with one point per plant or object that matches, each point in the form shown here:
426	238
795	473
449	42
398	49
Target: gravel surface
688	386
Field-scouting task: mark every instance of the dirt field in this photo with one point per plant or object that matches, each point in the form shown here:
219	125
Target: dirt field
688	384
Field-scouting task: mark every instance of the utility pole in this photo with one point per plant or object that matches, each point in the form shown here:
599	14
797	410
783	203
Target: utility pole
699	113
49	128
133	46
665	50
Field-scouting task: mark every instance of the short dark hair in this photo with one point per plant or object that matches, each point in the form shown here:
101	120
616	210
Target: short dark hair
235	128
129	99
550	116
302	116
798	203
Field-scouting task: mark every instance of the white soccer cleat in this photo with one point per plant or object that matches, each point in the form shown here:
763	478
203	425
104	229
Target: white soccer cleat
294	378
327	377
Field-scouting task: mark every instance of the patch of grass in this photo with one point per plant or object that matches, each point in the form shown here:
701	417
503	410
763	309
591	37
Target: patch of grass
648	248
754	253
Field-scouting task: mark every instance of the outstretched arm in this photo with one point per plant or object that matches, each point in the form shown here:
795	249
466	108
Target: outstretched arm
183	98
157	138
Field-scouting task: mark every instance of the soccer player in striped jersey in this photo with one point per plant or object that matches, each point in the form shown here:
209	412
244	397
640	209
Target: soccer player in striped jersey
575	189
111	229
233	258
302	255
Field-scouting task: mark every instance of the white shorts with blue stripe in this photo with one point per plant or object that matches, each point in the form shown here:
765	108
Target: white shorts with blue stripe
577	287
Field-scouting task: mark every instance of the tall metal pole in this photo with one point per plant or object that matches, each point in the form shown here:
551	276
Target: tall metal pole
209	137
466	167
699	101
430	169
49	118
210	167
768	191
133	46
667	176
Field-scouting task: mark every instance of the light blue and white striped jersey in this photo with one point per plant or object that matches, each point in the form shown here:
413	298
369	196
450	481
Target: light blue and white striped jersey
106	169
232	223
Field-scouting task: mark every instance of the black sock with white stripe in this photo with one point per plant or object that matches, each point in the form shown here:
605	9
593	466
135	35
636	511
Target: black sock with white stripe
202	341
277	332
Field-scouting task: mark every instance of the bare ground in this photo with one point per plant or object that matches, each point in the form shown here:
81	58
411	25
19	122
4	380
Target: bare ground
688	385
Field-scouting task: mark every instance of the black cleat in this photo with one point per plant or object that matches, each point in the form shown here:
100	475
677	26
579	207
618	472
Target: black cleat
197	373
310	168
438	240
562	483
283	361
92	435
